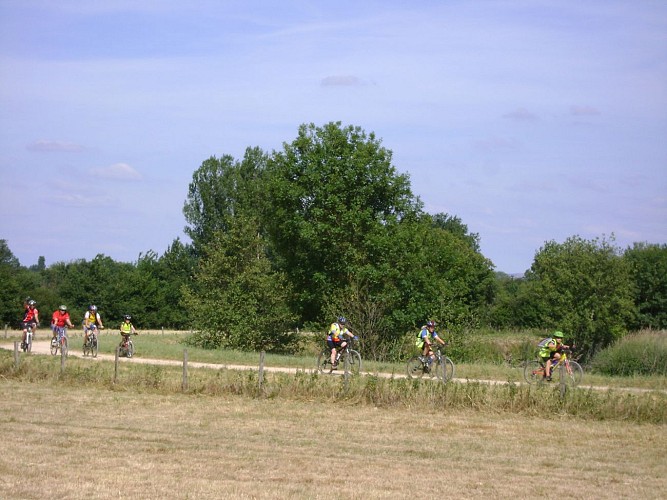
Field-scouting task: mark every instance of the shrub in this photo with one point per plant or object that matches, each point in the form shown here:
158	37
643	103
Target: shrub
643	353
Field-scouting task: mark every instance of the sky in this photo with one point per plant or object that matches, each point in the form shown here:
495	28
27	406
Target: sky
530	120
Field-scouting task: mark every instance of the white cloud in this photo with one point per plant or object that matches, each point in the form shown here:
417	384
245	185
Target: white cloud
341	81
584	111
43	146
521	115
117	171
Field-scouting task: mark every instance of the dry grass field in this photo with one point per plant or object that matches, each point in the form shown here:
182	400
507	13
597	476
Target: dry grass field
61	441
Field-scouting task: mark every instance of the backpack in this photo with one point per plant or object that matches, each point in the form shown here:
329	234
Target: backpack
543	343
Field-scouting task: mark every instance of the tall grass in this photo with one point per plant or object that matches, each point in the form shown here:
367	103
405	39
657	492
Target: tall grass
643	353
365	390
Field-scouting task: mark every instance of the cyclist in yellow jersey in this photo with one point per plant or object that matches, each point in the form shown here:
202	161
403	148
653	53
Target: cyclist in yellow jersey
550	349
91	319
127	329
337	338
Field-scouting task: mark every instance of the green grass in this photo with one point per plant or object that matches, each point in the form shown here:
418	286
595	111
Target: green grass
640	354
171	346
366	390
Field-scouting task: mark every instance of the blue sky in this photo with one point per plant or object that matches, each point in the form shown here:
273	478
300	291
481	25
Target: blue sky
530	120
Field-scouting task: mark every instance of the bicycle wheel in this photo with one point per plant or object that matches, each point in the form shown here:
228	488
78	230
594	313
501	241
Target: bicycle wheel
533	372
93	349
445	369
86	348
415	367
324	361
354	359
29	344
573	373
130	349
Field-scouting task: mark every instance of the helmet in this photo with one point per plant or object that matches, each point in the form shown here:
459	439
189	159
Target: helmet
127	316
63	308
558	335
342	320
32	303
93	308
430	324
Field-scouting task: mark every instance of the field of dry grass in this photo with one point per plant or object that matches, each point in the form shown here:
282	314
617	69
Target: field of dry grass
75	442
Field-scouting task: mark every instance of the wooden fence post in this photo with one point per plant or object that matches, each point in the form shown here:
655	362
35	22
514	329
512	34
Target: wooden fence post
16	354
261	369
115	368
346	376
561	376
63	355
6	325
184	386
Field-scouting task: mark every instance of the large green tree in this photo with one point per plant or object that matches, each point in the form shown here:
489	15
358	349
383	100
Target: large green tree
159	281
10	290
584	287
222	189
648	264
328	194
236	300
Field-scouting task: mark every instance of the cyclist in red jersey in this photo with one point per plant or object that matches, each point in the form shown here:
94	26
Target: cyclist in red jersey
30	317
60	319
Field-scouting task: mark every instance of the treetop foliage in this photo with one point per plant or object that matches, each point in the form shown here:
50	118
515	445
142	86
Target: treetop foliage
327	226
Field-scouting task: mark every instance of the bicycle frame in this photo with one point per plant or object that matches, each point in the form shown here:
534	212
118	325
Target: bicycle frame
535	371
347	352
27	345
126	347
90	345
442	367
61	341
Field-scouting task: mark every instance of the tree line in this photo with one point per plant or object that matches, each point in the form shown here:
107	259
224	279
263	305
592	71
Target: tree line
326	226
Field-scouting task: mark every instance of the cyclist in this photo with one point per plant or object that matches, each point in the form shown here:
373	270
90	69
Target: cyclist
425	340
60	319
549	351
126	329
91	320
337	338
30	318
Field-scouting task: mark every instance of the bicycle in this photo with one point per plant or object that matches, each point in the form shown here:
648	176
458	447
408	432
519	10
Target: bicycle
126	346
441	367
26	345
90	345
60	342
535	370
353	358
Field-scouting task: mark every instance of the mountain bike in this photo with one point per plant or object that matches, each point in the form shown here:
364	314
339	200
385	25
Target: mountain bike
535	371
126	346
353	358
60	342
441	367
27	344
90	345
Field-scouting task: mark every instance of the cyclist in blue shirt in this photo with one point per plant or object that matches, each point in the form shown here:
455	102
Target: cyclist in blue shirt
425	339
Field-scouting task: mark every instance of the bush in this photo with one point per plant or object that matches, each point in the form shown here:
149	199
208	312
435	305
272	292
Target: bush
643	353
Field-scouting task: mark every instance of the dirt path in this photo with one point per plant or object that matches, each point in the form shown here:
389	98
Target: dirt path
42	347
